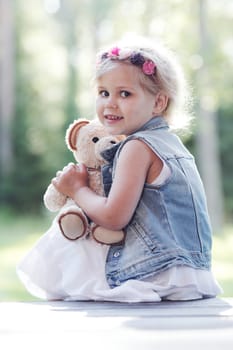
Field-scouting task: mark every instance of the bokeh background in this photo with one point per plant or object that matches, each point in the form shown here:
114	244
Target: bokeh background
47	55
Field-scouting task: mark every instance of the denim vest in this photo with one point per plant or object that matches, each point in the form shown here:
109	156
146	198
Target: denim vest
170	225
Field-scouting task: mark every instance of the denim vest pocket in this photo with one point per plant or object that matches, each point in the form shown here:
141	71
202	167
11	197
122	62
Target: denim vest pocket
143	236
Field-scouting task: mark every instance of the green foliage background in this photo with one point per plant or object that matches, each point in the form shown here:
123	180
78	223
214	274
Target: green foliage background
55	44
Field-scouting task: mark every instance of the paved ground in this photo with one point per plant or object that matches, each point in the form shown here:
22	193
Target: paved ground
205	324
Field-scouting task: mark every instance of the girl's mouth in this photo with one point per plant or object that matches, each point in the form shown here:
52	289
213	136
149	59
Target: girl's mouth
112	117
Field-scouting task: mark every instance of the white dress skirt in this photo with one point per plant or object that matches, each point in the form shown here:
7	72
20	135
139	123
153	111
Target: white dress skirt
59	269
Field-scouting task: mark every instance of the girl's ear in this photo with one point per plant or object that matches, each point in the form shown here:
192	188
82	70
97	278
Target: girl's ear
161	102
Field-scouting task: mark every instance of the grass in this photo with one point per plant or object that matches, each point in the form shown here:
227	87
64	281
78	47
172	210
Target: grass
18	234
223	260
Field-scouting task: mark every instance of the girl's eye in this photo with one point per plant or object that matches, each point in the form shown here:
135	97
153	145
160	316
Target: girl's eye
125	93
103	93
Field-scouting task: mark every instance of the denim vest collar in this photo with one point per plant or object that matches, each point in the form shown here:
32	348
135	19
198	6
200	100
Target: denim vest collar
154	123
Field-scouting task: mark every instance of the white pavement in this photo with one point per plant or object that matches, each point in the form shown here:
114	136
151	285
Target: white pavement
204	324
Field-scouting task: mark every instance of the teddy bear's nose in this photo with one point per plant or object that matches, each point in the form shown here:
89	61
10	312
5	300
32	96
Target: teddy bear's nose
113	142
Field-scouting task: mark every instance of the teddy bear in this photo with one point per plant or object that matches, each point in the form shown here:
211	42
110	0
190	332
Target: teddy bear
86	139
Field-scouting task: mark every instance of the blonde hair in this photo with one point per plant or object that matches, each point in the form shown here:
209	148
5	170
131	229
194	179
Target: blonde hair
168	76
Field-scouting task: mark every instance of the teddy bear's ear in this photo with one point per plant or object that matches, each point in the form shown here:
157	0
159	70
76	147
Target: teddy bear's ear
72	133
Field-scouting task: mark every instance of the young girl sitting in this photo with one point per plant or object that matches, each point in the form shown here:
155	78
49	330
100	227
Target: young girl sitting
153	192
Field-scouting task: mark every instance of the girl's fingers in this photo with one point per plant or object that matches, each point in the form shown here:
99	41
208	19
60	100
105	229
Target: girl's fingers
67	167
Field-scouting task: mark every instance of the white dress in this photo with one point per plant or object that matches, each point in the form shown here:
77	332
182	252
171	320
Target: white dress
59	269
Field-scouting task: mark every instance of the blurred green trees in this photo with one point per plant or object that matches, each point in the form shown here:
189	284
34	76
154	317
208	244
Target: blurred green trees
54	45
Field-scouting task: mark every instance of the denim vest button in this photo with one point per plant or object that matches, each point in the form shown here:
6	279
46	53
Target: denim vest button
116	254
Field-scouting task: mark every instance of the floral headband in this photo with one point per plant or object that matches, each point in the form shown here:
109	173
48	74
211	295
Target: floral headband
133	56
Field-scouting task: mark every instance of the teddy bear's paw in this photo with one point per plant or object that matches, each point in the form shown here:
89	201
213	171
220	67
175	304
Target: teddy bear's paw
73	225
53	199
106	236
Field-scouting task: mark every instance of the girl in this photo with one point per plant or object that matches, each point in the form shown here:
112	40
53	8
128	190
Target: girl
153	192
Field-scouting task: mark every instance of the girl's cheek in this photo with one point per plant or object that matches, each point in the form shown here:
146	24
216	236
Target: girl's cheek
99	103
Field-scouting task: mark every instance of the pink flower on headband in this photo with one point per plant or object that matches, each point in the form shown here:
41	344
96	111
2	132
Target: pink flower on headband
148	67
114	52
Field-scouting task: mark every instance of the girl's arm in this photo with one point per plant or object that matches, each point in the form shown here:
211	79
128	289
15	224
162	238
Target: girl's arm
115	211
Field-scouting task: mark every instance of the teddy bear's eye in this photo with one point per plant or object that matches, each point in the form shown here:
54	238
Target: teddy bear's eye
95	139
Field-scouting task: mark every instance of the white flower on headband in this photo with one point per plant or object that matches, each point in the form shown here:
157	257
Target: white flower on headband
125	53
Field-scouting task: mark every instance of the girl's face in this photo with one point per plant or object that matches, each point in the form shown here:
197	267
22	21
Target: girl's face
122	105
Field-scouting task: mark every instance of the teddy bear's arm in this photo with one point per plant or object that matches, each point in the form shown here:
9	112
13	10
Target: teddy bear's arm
53	199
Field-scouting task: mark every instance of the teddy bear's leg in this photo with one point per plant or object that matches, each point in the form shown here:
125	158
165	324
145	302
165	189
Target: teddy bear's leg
105	236
73	225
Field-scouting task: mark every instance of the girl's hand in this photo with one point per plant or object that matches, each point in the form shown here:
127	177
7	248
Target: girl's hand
71	179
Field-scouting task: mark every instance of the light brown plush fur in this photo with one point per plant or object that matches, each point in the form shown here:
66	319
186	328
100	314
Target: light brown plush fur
86	139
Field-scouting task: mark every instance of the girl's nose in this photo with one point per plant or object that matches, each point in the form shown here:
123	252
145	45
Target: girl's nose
111	103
